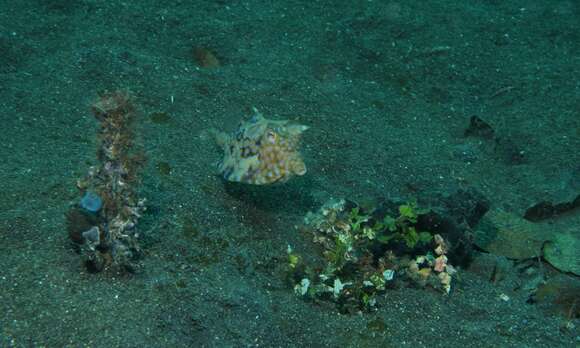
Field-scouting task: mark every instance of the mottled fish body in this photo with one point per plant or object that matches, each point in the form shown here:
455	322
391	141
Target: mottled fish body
261	151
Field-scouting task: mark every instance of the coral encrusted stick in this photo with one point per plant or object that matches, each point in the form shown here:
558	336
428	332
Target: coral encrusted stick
104	222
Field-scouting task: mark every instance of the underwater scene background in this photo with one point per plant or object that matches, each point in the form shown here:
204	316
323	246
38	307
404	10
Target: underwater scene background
289	173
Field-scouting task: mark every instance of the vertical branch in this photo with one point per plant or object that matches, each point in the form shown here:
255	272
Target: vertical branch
111	239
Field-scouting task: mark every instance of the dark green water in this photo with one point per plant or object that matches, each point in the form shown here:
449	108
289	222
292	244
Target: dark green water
388	90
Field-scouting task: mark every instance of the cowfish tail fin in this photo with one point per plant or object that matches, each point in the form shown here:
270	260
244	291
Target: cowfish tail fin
220	138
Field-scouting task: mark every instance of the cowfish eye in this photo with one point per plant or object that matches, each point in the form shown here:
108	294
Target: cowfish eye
271	136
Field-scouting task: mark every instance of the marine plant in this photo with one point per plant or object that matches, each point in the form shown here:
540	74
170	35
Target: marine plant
365	251
402	228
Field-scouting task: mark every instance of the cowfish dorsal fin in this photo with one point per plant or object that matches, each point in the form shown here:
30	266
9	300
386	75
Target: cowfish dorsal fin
256	116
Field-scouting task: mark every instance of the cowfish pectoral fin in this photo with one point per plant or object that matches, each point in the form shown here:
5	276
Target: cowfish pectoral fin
297	166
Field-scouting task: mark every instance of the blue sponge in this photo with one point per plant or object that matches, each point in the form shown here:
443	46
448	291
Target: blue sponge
91	202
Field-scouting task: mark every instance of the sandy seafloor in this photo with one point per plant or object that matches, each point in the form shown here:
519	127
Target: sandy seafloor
387	88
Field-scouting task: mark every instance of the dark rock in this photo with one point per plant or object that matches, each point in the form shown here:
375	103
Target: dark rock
540	211
453	216
507	234
560	294
562	196
479	128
